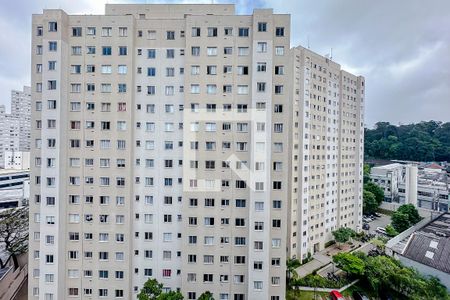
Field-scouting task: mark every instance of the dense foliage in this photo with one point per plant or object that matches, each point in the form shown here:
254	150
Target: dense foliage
405	217
384	273
153	290
343	234
424	141
314	280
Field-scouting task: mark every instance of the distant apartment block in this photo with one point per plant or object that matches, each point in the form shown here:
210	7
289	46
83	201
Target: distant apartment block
15	126
188	144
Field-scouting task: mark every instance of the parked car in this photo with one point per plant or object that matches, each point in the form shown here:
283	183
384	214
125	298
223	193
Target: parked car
381	230
366	226
335	295
359	296
367	220
377	214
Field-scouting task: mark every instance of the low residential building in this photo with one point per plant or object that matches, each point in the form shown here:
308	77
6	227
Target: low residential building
426	186
14	188
388	177
426	248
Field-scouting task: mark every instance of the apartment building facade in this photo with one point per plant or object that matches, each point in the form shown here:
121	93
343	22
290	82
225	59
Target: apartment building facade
15	126
327	152
165	142
123	187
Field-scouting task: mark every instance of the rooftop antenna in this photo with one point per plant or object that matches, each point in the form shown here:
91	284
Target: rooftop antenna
331	54
307	38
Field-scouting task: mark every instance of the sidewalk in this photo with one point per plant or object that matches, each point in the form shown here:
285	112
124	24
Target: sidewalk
323	258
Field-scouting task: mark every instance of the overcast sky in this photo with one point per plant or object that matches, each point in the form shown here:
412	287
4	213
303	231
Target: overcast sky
402	47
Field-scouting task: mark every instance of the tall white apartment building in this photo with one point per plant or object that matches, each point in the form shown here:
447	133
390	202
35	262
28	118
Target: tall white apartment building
15	126
160	149
327	152
21	110
188	144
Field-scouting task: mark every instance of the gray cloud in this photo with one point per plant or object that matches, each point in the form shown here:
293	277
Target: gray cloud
402	47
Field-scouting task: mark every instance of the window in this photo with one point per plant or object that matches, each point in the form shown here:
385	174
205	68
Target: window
170	35
106	50
170	53
106	31
261	47
90	31
122	50
76	31
228	31
211	51
242	89
260	87
243	31
195	89
151	53
279	50
279	89
279	31
51	85
90	50
52	26
279	70
106	69
151	34
212	31
151	90
195	31
122	69
261	67
195	51
123	31
262	26
211	70
195	70
52	46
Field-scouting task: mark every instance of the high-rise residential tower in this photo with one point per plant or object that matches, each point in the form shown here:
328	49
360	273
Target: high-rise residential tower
15	127
166	150
327	152
161	153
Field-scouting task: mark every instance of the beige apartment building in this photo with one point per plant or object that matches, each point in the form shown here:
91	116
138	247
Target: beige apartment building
327	152
166	143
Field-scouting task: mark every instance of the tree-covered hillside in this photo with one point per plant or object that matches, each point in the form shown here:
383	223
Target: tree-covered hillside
424	141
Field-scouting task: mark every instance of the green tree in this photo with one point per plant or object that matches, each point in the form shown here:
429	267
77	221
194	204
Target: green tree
411	211
206	296
366	173
152	290
370	204
171	295
390	230
400	221
349	263
424	141
343	234
291	269
375	190
14	232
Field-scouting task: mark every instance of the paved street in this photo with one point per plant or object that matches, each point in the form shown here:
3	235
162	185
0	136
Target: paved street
380	222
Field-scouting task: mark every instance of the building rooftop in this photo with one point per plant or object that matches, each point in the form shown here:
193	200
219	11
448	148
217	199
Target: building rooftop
389	167
430	245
